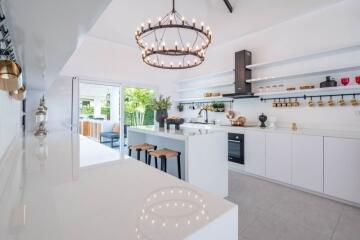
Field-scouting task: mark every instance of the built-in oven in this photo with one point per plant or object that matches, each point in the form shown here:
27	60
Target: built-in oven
236	148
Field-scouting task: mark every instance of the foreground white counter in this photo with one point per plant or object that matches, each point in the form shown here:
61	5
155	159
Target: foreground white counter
67	187
203	154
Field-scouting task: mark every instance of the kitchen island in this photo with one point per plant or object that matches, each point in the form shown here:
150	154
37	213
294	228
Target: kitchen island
67	187
203	154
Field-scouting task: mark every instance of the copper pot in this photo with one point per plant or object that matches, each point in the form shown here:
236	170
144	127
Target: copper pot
10	73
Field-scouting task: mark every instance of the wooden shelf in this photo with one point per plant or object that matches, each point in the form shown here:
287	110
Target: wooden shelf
304	57
204	99
339	89
206	87
304	74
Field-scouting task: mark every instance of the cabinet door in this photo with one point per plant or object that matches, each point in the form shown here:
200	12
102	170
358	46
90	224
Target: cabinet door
342	168
255	152
278	157
307	162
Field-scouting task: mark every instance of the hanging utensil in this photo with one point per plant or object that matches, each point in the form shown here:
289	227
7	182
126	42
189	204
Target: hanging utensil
331	102
311	103
354	101
230	114
342	101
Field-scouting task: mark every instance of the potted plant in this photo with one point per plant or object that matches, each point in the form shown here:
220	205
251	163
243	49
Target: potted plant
180	107
218	107
161	105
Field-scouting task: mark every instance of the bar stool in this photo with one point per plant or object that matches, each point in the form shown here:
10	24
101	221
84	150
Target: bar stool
142	147
164	154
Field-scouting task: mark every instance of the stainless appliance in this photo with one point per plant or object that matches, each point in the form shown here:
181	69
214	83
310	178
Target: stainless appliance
236	148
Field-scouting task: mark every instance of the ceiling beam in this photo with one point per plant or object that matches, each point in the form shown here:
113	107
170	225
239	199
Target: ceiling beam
228	5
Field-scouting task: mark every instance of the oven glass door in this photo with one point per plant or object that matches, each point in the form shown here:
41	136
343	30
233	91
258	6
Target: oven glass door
235	151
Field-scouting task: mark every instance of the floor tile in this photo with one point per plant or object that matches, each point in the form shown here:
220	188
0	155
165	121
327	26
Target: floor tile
271	211
348	227
266	226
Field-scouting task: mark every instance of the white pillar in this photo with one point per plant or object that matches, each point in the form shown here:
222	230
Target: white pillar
97	107
115	104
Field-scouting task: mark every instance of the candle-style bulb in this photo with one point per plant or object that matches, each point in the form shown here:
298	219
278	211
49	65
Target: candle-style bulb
193	22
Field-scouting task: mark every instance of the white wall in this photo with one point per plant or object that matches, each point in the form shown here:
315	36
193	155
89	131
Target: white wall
10	121
58	100
332	27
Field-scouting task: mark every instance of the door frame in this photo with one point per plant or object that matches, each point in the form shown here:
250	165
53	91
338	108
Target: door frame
122	85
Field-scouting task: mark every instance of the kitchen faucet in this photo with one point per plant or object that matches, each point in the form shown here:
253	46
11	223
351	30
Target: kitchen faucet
207	116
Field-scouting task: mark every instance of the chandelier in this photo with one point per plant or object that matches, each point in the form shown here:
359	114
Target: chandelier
172	42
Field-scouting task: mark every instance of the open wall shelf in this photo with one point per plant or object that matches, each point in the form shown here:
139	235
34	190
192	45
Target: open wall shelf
325	52
207	76
206	87
339	89
205	99
305	74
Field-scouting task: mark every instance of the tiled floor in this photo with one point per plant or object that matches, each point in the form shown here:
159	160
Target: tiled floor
274	212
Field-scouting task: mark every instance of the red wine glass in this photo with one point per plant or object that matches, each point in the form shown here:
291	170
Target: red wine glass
357	79
345	81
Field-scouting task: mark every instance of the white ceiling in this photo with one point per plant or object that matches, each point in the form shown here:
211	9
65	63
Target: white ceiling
121	18
46	33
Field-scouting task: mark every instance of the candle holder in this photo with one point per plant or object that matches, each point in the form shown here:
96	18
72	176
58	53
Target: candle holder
41	119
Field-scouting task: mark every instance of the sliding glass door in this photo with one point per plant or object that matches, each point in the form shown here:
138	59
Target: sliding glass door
100	113
138	109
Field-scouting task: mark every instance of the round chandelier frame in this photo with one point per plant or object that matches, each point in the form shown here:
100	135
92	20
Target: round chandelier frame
153	54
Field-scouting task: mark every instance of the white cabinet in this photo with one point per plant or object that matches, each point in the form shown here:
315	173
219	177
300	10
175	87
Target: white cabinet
255	152
307	162
342	168
278	157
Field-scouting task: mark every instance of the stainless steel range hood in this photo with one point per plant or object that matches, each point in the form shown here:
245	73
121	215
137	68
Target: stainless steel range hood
242	88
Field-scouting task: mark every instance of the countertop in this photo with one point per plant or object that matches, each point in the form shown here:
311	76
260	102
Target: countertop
182	134
67	187
302	131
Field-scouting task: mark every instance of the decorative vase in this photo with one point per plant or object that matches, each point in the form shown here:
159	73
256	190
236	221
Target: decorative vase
161	115
263	119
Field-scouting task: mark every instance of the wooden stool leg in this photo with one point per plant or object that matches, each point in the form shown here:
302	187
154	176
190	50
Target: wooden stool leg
146	157
178	162
138	154
129	152
156	165
149	159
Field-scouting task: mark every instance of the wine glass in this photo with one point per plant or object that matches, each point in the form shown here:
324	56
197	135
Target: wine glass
357	79
345	81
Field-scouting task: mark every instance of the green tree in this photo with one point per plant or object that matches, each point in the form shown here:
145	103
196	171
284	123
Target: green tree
138	105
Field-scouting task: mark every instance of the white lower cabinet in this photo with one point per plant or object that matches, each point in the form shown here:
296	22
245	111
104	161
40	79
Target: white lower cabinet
278	157
342	168
307	162
255	152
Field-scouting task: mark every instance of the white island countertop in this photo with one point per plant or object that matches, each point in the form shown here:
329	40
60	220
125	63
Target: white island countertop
182	134
67	187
